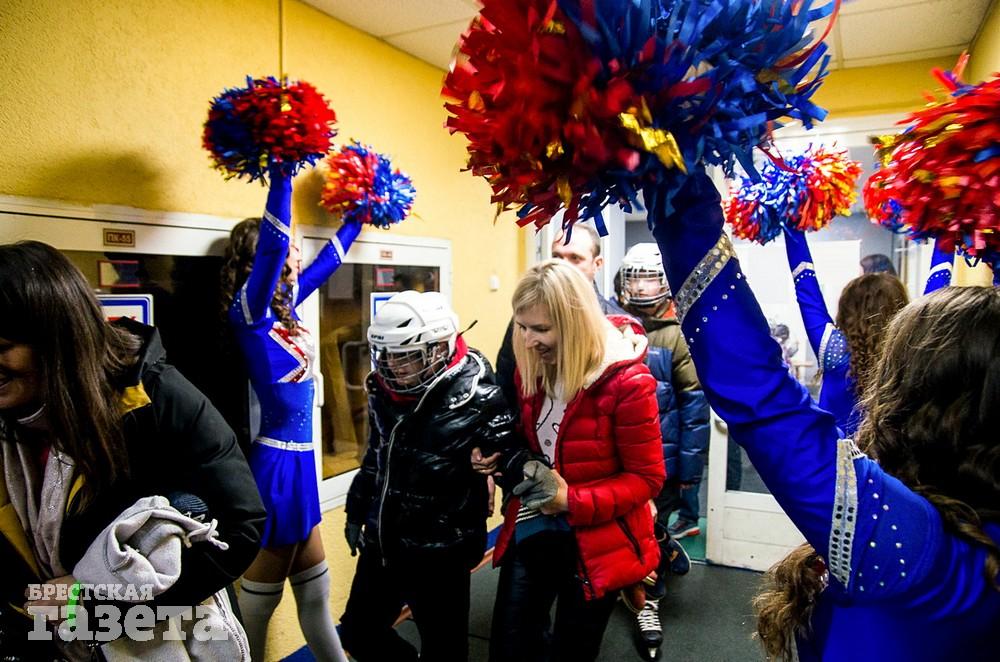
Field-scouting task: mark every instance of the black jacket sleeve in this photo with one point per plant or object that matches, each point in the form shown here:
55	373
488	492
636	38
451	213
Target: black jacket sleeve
362	490
514	452
205	460
497	431
508	438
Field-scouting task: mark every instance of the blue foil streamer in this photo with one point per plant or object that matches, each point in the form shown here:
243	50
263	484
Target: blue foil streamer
736	47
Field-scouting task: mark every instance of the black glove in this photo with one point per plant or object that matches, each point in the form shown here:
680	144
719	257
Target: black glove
352	533
538	487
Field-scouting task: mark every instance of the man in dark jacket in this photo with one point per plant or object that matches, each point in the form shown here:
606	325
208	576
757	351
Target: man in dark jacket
582	249
683	412
416	508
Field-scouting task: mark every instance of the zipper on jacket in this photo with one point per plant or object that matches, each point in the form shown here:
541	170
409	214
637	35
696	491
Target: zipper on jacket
385	489
588	586
631	538
388	451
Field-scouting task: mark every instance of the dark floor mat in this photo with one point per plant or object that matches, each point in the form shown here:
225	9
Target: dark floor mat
706	616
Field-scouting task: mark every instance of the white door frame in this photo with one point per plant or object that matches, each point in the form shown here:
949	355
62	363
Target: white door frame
68	226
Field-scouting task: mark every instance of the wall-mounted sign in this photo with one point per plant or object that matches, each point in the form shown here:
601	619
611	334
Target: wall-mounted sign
134	306
118	273
385	254
119	238
384	277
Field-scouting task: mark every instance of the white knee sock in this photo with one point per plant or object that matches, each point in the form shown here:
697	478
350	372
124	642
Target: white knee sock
258	600
312	599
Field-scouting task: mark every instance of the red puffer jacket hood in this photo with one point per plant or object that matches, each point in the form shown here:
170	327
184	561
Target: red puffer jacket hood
609	452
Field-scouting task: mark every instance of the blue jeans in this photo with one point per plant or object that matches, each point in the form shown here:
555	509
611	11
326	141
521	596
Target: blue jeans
672	498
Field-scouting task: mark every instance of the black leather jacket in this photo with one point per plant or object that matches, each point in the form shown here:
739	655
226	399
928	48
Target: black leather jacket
416	490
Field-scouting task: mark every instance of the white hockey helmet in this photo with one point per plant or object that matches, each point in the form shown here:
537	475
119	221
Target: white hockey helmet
412	338
644	282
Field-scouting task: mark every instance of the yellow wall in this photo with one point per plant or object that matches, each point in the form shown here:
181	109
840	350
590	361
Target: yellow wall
882	89
105	99
985	53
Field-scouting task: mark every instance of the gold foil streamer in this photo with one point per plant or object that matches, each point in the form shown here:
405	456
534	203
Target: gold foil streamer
946	133
884	145
656	141
564	190
554	27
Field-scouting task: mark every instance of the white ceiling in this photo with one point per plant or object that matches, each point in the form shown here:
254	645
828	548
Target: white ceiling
868	32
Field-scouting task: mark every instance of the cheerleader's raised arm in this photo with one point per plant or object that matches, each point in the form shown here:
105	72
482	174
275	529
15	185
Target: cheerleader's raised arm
838	394
327	261
819	325
272	251
881	541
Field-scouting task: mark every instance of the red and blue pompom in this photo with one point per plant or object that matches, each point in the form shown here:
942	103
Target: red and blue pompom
879	199
805	192
942	174
577	104
363	187
268	124
758	209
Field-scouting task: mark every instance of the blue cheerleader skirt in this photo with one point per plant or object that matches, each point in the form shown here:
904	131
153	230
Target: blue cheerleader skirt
286	477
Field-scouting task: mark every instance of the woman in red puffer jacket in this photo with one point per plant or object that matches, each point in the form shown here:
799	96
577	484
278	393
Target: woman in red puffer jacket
578	526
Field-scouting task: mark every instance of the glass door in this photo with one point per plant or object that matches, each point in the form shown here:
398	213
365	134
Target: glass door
341	310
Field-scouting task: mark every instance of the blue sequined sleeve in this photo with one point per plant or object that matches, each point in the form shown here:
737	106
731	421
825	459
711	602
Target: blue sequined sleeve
327	261
941	266
817	320
272	252
879	538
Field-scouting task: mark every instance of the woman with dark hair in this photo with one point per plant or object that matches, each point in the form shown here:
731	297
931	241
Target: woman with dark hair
846	350
902	562
92	420
262	285
580	525
877	263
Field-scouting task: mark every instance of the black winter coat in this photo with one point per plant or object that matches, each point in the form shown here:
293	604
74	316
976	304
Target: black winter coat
177	443
416	490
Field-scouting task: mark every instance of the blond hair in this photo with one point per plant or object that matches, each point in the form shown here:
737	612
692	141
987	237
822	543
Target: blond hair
577	321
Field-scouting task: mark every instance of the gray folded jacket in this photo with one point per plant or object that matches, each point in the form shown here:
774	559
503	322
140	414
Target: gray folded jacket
142	547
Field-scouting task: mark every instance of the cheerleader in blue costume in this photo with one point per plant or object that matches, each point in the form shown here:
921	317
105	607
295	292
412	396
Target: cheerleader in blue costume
845	350
903	558
264	287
